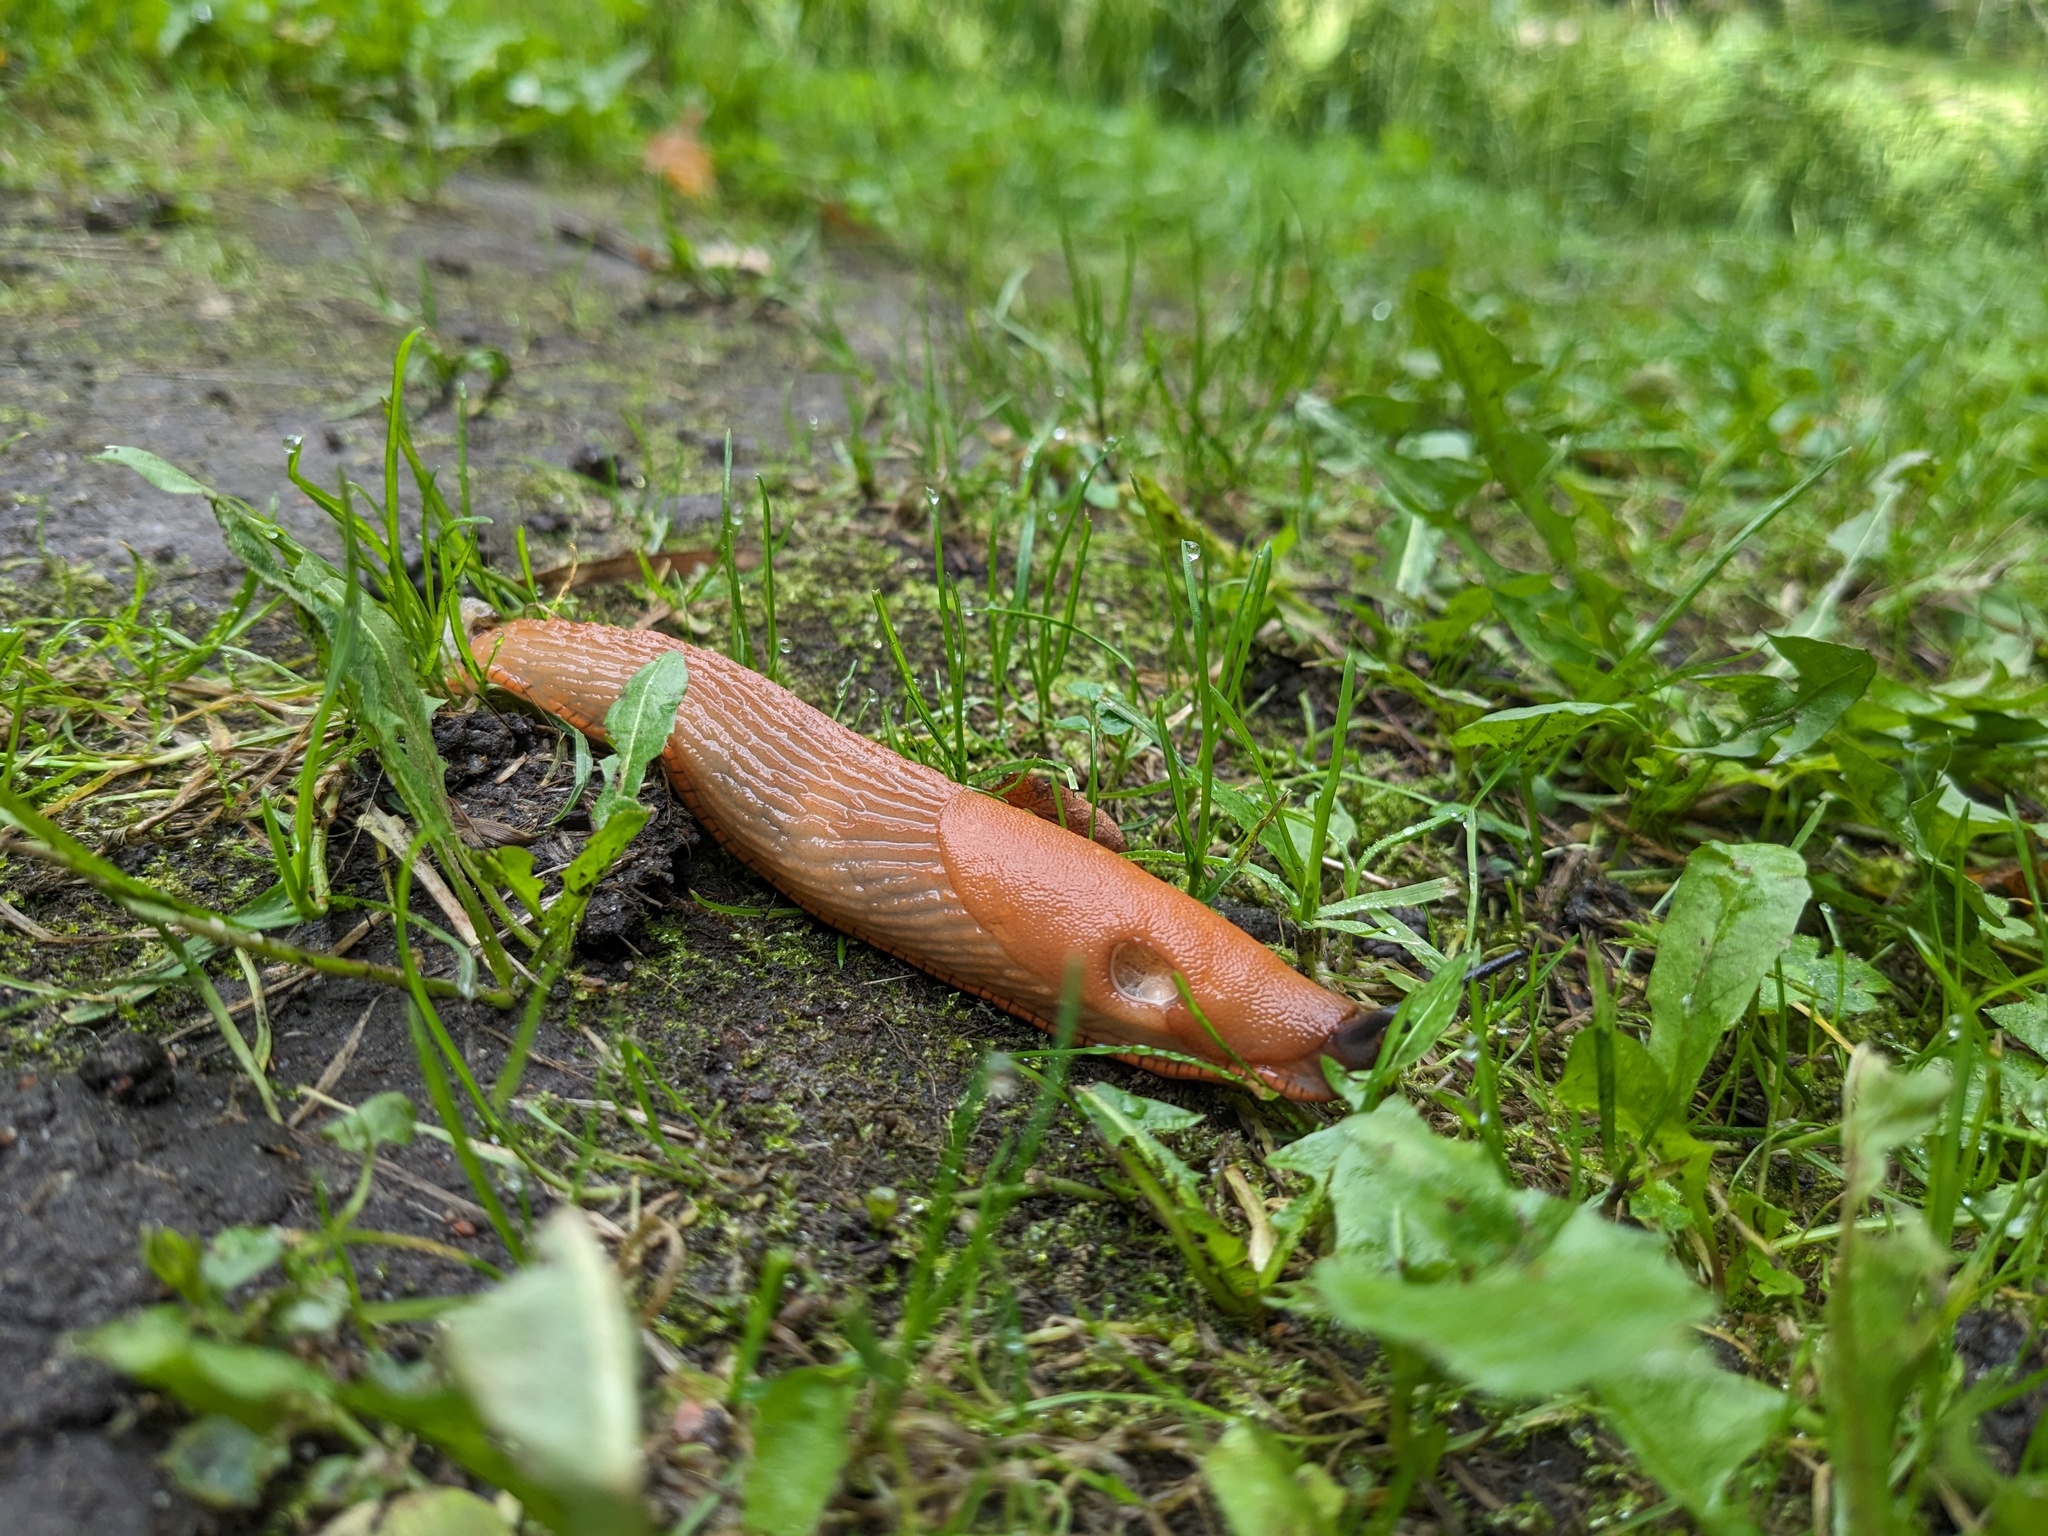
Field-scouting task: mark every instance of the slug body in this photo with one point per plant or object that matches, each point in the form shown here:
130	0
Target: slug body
983	895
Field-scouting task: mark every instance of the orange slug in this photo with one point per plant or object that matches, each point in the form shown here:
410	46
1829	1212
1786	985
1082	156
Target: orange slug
983	894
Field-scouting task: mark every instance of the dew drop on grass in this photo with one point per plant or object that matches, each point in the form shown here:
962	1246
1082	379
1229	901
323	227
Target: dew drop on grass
784	646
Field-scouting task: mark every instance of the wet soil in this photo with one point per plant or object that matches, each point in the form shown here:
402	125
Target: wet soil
812	1076
83	1175
212	341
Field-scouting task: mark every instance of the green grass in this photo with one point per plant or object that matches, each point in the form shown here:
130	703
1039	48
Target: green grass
1723	121
1696	533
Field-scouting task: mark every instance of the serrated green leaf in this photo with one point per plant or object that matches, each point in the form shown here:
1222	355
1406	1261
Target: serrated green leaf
1839	984
1830	679
1486	370
1773	1281
1433	491
1116	1112
599	853
2026	1021
1414	1203
1171	526
1547	620
513	867
1595	1303
638	726
1536	729
1127	1124
1521	1294
1126	1119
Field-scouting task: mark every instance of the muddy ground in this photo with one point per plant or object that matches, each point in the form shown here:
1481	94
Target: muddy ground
820	1071
210	338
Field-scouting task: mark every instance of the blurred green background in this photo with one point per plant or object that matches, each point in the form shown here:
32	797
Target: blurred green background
1897	113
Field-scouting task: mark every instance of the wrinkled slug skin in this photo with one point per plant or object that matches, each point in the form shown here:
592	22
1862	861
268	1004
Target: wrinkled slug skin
979	893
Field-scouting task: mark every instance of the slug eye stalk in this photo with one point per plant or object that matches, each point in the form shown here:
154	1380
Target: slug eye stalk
1356	1043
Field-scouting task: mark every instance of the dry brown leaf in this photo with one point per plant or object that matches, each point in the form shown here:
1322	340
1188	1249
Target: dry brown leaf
578	574
679	157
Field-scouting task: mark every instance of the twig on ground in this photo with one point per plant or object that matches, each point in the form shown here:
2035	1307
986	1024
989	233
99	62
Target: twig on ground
335	1068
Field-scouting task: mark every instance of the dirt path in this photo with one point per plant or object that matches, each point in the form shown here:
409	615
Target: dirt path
211	342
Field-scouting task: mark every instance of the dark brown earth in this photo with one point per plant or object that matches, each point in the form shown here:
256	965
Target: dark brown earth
819	1080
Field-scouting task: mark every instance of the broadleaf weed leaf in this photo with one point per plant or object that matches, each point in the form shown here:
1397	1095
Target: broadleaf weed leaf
1730	918
638	726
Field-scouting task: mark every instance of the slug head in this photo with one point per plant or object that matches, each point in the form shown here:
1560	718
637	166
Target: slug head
1048	896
